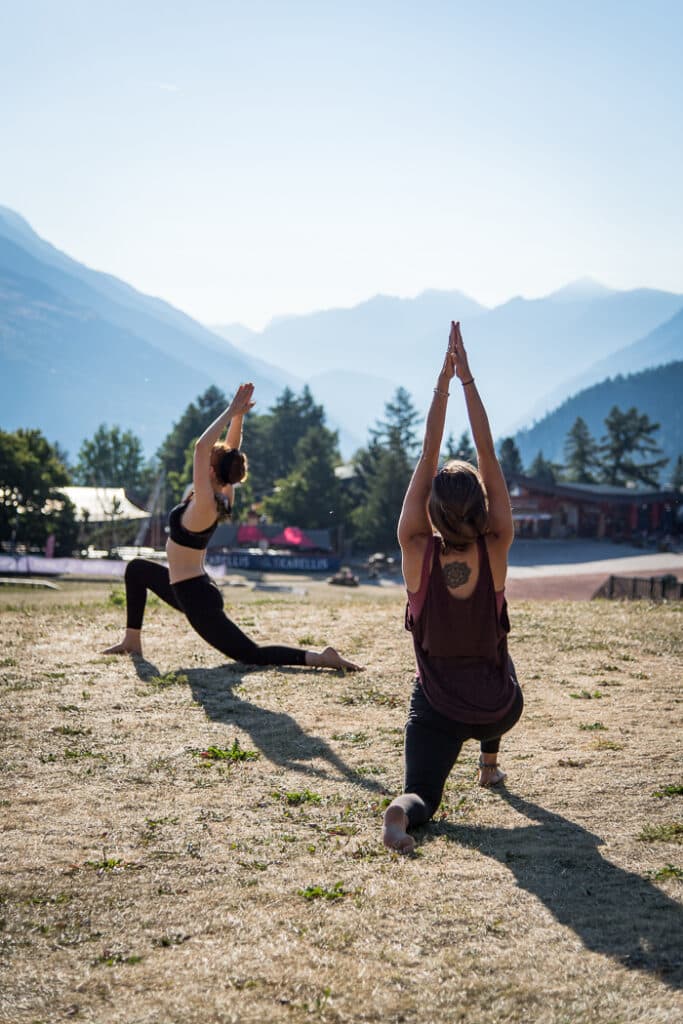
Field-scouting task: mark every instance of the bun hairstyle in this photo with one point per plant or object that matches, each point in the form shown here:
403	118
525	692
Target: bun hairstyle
458	506
229	464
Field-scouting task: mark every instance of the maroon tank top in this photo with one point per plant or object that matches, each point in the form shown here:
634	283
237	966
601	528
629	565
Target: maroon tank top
461	646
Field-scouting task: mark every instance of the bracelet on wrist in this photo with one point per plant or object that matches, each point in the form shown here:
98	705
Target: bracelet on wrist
444	394
466	382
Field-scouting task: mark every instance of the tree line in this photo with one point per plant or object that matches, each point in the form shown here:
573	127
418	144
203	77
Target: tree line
292	456
626	454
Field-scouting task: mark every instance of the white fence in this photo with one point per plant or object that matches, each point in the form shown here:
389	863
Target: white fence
38	565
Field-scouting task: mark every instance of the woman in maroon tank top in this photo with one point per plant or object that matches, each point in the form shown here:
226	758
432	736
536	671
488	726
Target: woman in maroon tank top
455	531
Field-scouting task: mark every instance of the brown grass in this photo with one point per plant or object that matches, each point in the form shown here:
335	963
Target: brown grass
144	882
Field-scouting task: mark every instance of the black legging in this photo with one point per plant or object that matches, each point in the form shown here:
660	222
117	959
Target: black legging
432	745
202	602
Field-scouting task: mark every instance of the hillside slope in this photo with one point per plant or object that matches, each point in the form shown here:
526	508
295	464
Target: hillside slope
656	392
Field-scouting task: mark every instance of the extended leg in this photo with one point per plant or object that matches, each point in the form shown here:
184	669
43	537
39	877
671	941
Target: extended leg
202	602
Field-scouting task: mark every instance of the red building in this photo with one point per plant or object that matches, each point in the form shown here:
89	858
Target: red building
542	509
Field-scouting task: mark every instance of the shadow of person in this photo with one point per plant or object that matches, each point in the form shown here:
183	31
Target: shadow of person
613	911
277	735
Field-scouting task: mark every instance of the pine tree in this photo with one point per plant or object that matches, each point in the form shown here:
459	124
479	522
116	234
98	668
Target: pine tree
398	430
270	439
509	458
542	470
383	471
309	495
580	453
463	450
385	474
677	475
630	433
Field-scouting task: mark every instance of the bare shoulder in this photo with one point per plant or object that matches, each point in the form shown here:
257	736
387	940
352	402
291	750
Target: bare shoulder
497	548
413	553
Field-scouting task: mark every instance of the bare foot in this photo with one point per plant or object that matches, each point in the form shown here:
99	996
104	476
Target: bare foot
330	658
490	775
122	649
131	644
394	835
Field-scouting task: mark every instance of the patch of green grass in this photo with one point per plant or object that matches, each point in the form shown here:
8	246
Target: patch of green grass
608	745
320	892
166	680
74	708
350	737
233	753
592	727
668	871
372	696
71	754
674	790
106	864
587	695
117	597
152	829
672	832
294	798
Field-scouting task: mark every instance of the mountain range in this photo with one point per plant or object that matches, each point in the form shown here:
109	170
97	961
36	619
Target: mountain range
528	354
79	347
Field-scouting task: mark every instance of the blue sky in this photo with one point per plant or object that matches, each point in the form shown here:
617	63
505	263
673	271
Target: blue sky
249	159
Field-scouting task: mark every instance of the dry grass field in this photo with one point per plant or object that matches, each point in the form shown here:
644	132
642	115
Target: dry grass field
185	840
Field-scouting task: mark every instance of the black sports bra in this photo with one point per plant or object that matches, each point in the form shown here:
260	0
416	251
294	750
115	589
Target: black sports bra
197	539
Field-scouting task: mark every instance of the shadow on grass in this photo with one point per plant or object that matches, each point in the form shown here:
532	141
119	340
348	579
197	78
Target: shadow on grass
277	735
613	911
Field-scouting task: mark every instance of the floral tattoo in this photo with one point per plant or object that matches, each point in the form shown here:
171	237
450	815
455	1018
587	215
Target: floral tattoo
456	574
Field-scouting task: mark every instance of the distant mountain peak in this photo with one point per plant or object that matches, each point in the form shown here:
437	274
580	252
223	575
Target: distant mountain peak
582	288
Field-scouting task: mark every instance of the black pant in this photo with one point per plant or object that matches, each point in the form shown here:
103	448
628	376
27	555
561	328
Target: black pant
432	745
202	602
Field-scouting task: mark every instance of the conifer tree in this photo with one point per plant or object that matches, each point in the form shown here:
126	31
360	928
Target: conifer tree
581	454
629	434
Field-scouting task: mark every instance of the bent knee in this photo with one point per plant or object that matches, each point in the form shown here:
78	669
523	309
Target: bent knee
134	569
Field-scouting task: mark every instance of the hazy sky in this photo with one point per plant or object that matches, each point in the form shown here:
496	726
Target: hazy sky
247	159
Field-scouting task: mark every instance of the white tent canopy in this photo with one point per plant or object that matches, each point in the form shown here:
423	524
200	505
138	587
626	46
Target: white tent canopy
102	504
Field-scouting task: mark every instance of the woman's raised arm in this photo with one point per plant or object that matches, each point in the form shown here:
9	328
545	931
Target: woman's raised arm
500	522
201	477
414	525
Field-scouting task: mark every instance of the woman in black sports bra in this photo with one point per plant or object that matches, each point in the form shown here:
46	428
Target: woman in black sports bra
185	585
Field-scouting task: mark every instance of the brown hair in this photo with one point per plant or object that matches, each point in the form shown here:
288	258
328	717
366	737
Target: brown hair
229	464
458	506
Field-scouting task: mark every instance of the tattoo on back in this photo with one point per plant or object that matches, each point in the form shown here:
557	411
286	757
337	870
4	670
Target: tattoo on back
456	574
